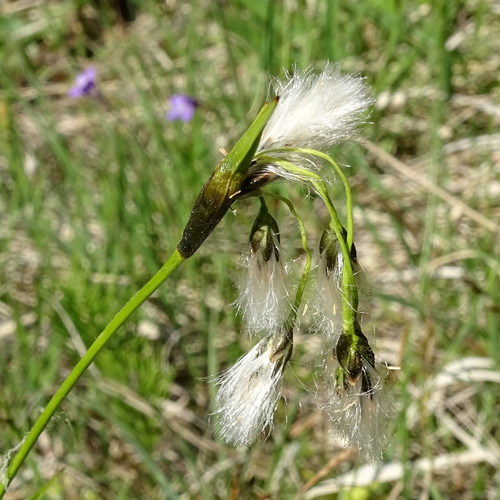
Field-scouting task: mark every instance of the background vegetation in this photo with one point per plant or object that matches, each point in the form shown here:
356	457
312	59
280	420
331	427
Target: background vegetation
94	196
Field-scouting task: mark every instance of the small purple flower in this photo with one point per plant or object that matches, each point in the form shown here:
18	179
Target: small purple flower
182	108
84	83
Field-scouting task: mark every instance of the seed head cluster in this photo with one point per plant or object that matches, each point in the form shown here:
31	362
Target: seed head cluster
314	113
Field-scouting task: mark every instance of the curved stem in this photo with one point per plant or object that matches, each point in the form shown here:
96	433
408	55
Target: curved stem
307	267
167	269
347	187
349	289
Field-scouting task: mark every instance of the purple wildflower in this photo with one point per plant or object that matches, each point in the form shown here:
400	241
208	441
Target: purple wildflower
84	83
182	108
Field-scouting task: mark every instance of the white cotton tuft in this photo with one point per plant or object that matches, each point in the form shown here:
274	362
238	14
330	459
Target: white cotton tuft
316	111
360	414
313	112
263	299
249	393
327	300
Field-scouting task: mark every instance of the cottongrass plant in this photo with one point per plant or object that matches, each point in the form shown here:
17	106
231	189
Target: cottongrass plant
288	140
314	113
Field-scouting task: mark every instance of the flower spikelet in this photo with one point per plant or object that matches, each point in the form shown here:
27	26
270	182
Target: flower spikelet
360	409
327	300
250	390
263	296
315	111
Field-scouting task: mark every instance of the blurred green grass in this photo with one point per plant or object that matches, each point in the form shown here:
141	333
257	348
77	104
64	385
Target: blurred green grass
94	198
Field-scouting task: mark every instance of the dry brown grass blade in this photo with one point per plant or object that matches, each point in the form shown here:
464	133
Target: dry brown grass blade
407	172
394	471
338	459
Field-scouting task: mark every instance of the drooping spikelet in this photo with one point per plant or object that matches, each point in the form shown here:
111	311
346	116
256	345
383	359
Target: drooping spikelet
359	412
327	300
250	390
263	298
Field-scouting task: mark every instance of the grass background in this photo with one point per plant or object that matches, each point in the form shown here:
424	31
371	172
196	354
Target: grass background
94	196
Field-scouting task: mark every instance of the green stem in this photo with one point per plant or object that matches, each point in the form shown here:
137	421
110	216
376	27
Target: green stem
307	267
168	268
329	159
349	289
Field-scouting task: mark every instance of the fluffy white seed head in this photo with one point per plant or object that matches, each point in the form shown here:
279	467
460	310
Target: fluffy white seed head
263	299
249	391
315	112
327	299
359	413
